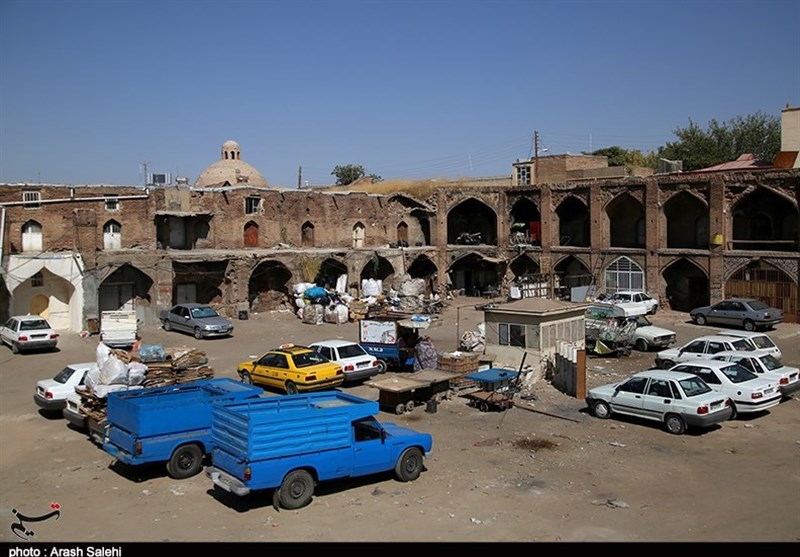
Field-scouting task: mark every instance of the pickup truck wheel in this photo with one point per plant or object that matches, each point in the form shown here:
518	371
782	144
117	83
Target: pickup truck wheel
641	345
381	366
675	424
296	490
246	379
409	466
185	462
291	388
198	334
167	325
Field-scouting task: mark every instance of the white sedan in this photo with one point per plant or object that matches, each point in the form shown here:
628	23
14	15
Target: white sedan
748	392
763	363
677	400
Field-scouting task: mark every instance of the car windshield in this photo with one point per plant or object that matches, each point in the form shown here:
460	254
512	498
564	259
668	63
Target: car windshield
642	321
351	351
694	386
33	325
308	359
757	306
738	373
64	375
770	362
198	313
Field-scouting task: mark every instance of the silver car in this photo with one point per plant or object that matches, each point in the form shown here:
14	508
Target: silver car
738	312
201	320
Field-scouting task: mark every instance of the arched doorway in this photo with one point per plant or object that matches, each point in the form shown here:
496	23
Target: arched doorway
40	305
472	222
269	287
476	275
687	222
112	235
624	274
626	222
329	273
423	268
764	220
526	223
377	268
359	233
251	235
765	282
573	223
571	273
307	235
687	285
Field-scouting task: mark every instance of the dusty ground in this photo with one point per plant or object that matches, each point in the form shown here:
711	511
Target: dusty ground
557	474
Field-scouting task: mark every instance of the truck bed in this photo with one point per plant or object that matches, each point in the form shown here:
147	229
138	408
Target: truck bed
173	409
280	426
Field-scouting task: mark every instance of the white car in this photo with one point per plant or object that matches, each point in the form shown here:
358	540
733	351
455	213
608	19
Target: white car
647	336
28	332
764	364
748	392
51	394
678	400
631	299
72	412
356	364
700	348
761	341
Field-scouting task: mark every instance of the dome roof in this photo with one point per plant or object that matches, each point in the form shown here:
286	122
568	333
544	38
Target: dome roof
231	169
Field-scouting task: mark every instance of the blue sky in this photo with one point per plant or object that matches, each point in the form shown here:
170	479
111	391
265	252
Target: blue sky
89	90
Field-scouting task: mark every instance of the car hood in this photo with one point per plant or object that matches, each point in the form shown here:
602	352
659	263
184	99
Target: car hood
604	390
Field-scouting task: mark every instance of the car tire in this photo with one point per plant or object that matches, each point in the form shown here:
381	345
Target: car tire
641	345
409	465
381	366
296	490
198	334
167	325
700	319
14	348
601	410
666	364
246	379
291	388
185	462
734	412
675	424
749	325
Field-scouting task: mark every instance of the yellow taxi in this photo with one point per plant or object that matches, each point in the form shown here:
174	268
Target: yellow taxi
292	368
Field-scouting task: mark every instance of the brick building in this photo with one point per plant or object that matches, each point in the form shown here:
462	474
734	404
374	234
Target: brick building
231	240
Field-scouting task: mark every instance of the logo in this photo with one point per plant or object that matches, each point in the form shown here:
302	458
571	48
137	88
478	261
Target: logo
21	530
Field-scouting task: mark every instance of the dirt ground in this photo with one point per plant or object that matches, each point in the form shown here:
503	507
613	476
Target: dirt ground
556	474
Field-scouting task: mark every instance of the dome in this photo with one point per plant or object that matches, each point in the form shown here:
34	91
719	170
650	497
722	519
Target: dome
230	168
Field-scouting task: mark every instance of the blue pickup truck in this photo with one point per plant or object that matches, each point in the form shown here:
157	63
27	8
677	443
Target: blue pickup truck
291	443
168	424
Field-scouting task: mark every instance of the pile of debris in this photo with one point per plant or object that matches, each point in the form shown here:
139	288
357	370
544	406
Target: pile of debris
150	366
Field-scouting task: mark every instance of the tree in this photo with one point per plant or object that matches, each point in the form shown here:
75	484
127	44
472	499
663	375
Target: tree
759	134
617	156
349	173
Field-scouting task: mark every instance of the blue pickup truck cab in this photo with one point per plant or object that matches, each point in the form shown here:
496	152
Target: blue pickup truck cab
168	424
291	443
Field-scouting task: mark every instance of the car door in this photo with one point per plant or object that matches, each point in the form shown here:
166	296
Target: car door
266	371
628	398
737	313
713	347
658	399
7	330
695	350
182	319
370	453
720	313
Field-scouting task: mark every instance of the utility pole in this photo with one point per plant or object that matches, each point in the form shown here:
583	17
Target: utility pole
300	177
536	158
145	165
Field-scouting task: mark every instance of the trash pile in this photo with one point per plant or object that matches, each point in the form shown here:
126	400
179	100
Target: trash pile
317	304
150	366
474	341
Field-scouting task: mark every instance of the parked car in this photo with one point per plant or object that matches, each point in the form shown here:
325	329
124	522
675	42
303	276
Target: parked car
647	336
748	392
28	332
608	322
700	348
292	369
764	364
677	400
633	299
72	410
201	320
356	364
51	394
738	312
761	341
